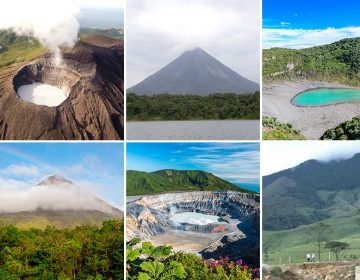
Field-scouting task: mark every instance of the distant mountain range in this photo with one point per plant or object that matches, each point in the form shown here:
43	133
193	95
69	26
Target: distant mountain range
170	180
195	72
62	204
311	192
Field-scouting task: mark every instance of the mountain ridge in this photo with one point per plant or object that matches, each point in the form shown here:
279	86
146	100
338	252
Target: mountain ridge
194	72
173	180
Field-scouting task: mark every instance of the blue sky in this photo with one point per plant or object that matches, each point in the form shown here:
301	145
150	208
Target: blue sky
235	162
97	166
305	23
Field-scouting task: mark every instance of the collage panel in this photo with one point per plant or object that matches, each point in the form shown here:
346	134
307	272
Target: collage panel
193	210
62	70
311	70
193	70
311	210
61	211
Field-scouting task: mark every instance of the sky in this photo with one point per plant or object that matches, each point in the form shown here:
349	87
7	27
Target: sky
101	3
280	155
98	167
306	23
159	31
235	162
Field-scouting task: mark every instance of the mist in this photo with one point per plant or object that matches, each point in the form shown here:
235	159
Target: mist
53	23
15	198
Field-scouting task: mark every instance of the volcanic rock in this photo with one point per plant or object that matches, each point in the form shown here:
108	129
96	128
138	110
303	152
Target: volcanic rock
93	73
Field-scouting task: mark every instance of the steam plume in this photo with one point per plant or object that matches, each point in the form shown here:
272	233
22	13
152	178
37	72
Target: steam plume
53	23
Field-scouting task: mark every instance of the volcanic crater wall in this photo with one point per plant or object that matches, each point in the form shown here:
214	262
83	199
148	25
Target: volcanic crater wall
150	215
92	73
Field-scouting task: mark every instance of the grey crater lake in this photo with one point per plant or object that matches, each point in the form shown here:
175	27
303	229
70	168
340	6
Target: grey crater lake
194	130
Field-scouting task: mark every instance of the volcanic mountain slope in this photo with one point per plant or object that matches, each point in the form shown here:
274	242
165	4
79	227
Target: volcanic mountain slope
195	72
170	180
93	73
58	202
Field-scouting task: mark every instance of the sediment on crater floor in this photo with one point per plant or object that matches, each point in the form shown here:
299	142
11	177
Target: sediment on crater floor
151	216
91	75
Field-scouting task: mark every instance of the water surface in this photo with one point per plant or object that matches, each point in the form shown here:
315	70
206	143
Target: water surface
42	94
195	218
326	96
194	130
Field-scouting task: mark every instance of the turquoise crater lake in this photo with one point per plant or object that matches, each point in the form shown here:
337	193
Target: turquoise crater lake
326	96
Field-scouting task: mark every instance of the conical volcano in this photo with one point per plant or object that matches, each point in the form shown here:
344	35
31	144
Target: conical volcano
195	72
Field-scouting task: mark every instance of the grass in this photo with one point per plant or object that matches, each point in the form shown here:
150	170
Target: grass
282	246
275	130
20	52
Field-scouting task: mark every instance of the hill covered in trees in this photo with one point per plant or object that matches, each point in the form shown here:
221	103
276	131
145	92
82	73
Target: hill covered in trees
169	180
275	130
336	62
193	107
85	252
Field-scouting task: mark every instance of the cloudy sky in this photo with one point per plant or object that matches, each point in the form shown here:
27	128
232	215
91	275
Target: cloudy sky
292	25
280	155
158	31
96	167
235	162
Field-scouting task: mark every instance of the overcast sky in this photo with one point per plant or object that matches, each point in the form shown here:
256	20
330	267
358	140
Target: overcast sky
280	155
101	3
158	31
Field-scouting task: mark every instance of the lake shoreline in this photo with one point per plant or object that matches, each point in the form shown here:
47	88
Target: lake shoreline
311	121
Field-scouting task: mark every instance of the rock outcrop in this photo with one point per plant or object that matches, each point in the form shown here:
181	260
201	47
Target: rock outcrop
92	73
150	216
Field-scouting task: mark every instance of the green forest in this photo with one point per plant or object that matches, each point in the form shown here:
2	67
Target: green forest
85	252
164	181
336	62
193	107
349	130
148	262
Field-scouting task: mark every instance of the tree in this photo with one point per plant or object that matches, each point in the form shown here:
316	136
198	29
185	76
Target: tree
337	248
319	235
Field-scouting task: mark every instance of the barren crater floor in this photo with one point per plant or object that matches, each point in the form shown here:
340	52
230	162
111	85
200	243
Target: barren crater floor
92	75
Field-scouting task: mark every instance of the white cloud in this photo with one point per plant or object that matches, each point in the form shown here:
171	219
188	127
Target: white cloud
302	38
160	30
280	155
21	170
284	23
101	3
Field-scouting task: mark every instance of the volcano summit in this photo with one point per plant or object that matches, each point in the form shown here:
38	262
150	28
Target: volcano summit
91	81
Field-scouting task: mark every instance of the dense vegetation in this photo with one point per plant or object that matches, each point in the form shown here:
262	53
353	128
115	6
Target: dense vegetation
147	262
141	183
16	48
193	107
275	130
336	62
349	130
85	252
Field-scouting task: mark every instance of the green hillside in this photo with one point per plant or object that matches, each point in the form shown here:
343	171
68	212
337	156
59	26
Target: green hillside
297	200
169	180
16	48
336	62
349	130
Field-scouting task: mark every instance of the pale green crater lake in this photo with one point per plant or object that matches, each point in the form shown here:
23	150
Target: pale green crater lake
195	218
326	96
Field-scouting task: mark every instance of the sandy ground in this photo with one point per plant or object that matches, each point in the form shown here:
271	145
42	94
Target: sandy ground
186	241
311	121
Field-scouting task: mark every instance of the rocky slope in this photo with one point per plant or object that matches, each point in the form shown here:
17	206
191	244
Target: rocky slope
92	72
195	72
150	215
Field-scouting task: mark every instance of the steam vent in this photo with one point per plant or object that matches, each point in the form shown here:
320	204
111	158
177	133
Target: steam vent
80	99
